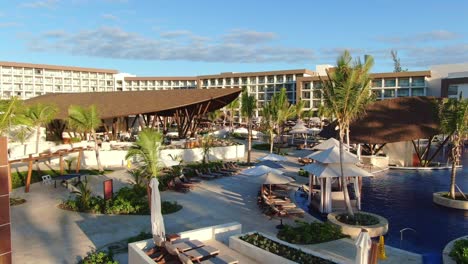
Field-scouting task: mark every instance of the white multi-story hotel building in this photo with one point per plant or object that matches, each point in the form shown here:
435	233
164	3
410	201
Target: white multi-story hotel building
26	80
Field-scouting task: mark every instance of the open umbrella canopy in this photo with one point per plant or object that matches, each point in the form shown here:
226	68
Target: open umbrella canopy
333	170
157	221
299	128
260	170
270	164
273	178
332	155
331	142
273	157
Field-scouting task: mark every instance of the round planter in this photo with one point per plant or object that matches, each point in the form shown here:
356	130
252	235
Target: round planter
445	254
353	230
439	199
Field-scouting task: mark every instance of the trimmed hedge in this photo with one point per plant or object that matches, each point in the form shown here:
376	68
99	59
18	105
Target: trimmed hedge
358	219
310	233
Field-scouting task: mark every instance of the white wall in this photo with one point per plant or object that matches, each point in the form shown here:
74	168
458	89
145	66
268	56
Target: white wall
442	71
400	153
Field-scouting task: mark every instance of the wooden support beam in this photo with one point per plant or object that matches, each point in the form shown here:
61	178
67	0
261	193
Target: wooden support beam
5	226
28	178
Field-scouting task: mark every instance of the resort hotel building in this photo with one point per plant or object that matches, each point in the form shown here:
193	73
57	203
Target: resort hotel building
26	80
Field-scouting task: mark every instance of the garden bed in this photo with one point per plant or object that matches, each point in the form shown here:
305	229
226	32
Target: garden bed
353	230
441	199
310	233
266	249
456	251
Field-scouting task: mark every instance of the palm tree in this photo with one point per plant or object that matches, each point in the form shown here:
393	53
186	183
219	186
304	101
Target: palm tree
267	122
40	115
11	114
146	151
299	109
232	106
214	116
454	121
346	94
86	120
248	106
282	110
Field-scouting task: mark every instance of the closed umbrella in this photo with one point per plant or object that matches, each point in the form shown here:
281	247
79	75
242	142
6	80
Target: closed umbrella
363	244
157	221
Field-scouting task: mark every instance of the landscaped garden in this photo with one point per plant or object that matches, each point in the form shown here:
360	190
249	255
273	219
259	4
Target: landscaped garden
128	200
310	233
285	251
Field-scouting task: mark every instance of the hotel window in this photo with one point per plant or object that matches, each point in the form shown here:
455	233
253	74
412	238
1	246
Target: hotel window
109	83
228	81
279	79
253	89
317	85
317	94
452	90
402	92
205	83
212	82
289	78
261	89
418	81
403	82
253	79
220	81
389	93
377	93
417	91
306	95
390	82
58	87
236	80
316	103
261	96
306	104
377	83
261	80
244	80
38	71
271	79
271	88
306	86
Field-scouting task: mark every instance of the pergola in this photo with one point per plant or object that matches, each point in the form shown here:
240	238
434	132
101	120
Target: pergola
186	106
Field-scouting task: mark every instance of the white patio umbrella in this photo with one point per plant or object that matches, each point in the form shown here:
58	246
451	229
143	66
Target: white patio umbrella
274	178
273	157
331	142
334	170
299	128
363	244
332	155
157	221
260	170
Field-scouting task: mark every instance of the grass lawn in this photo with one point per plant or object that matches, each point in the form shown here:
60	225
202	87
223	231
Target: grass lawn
18	178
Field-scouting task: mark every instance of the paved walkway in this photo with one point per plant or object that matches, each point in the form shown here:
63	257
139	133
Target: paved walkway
42	233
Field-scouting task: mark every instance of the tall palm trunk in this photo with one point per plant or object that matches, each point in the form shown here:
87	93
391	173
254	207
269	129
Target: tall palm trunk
344	181
96	149
249	139
272	138
38	137
455	161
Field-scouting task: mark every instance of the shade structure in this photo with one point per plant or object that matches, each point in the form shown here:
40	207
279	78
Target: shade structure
270	164
334	170
363	244
331	142
274	178
332	155
157	221
273	157
299	128
260	170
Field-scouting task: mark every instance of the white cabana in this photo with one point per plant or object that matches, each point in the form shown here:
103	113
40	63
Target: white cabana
334	170
260	170
271	164
157	221
299	128
273	157
363	244
332	155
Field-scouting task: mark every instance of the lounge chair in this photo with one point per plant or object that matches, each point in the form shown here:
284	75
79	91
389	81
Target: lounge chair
228	168
202	252
178	182
223	172
187	245
216	174
187	180
292	211
172	185
204	175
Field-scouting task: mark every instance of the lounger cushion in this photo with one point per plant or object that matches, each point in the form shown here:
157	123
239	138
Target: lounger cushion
199	253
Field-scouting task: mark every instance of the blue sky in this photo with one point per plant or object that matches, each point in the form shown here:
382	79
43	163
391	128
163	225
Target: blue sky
178	38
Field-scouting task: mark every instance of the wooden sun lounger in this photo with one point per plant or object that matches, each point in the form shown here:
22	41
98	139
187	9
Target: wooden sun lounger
188	245
226	259
204	175
293	211
216	174
199	253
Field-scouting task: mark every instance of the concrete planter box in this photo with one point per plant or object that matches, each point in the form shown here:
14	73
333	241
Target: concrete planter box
263	256
353	230
445	254
439	199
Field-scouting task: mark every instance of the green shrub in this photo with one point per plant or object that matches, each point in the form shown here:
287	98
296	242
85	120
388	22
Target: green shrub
358	219
99	257
284	251
263	146
310	233
459	251
303	173
239	136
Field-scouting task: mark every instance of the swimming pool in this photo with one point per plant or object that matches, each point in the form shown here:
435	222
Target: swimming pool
405	199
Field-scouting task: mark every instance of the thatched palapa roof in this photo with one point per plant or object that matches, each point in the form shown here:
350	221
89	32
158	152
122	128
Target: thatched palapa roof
119	104
394	120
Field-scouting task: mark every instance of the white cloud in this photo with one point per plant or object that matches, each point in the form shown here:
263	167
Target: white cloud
436	35
40	4
109	16
114	42
249	36
8	24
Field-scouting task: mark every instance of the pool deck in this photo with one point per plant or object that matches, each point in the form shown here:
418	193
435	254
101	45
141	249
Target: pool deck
42	233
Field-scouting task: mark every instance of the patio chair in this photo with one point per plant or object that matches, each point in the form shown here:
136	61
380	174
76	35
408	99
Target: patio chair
204	175
47	179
